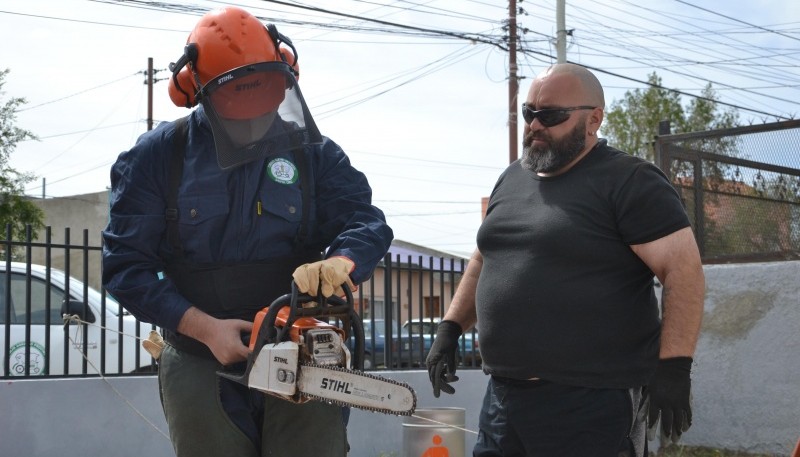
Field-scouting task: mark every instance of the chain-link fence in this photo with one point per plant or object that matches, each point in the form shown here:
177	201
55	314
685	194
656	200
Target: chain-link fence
741	188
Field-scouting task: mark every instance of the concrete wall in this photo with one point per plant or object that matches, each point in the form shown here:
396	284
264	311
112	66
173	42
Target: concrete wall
77	213
746	387
123	417
747	368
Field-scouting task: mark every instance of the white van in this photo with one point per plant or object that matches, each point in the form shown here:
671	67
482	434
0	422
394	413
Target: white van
47	345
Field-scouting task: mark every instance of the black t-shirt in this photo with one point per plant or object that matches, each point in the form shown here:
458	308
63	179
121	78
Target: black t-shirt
561	295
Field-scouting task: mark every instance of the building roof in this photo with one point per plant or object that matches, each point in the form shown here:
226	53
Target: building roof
404	252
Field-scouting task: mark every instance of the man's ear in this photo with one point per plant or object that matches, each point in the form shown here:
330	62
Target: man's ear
595	119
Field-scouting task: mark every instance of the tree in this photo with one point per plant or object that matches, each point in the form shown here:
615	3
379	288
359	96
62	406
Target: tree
15	209
632	123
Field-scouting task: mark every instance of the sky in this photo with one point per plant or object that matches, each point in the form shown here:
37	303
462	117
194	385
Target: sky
415	91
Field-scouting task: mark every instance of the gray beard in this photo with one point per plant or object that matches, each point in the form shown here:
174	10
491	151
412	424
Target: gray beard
557	154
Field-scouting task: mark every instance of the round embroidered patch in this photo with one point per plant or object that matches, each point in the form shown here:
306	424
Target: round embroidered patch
282	171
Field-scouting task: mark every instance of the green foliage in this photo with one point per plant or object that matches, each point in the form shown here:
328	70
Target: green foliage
631	124
15	209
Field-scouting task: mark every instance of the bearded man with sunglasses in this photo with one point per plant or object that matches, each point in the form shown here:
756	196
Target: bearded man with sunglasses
562	289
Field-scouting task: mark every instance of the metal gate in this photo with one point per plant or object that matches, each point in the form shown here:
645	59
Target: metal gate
741	188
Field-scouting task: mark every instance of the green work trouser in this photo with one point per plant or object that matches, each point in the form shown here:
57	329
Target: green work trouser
199	427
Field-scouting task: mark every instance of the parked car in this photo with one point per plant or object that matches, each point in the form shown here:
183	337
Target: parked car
374	347
417	335
31	323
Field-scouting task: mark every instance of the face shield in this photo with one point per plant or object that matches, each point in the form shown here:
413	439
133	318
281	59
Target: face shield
255	111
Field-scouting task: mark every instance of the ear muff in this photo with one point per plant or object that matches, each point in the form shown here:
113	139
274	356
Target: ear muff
181	87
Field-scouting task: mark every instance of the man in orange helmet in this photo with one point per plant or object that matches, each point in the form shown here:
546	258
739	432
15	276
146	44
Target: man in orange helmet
214	215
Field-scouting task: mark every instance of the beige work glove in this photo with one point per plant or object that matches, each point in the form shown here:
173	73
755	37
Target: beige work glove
325	276
154	344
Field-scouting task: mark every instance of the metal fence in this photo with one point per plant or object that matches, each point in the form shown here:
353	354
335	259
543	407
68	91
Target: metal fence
400	304
741	188
36	340
419	290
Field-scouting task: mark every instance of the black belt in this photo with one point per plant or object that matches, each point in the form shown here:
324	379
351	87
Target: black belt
519	382
192	346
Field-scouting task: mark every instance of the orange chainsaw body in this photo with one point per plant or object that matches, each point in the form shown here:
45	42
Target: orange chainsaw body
299	328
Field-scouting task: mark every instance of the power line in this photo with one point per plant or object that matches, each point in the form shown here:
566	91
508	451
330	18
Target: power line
427	30
428	69
417	7
78	93
595	30
738	20
529	52
657	86
459	35
82	21
123	124
698	97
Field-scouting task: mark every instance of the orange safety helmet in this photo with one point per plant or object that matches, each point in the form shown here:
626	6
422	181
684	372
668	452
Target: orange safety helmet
223	40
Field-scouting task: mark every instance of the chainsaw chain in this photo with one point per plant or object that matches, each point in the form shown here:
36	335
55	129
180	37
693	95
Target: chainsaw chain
365	375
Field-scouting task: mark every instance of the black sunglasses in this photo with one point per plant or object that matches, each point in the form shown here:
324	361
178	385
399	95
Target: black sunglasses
549	117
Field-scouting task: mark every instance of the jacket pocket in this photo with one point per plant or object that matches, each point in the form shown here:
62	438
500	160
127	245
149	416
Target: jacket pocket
202	219
284	202
197	210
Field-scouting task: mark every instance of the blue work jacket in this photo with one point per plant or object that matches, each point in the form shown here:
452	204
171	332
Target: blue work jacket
247	213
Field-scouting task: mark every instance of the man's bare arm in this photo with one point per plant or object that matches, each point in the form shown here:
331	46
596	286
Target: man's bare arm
675	260
462	308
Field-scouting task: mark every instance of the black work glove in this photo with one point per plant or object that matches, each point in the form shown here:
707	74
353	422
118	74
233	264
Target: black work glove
669	394
441	361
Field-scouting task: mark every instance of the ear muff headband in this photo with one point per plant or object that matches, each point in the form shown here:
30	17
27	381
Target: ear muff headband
279	38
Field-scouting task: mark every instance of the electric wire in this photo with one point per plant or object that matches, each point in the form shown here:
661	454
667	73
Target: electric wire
76	94
738	20
658	55
590	17
531	53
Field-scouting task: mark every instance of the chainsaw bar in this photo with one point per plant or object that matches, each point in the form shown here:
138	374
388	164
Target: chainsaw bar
342	387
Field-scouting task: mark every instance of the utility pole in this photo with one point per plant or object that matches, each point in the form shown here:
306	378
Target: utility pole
149	94
149	80
513	83
561	33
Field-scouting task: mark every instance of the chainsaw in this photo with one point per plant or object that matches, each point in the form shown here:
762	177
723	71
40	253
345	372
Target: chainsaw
298	355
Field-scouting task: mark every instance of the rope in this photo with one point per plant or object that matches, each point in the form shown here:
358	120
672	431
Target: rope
75	318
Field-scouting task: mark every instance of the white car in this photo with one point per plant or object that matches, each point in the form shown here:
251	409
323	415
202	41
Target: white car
47	347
